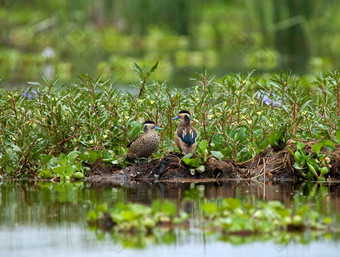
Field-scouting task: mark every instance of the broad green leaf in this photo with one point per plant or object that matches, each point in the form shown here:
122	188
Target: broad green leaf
101	208
209	207
83	157
68	171
192	162
45	158
337	136
59	170
187	156
128	215
72	156
203	145
217	154
300	145
323	143
45	174
93	155
169	208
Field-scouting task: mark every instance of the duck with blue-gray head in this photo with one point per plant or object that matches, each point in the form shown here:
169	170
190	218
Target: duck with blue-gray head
186	134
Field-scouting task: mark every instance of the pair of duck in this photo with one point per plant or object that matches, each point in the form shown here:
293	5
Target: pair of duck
146	144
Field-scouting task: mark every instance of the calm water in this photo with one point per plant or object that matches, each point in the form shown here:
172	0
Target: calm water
44	219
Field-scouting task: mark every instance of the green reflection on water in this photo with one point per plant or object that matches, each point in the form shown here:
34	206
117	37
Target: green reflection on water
48	204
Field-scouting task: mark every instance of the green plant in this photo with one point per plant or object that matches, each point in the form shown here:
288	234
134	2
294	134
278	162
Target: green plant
195	163
312	167
233	118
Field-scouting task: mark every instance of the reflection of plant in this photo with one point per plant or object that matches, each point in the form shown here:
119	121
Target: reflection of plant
230	217
312	167
233	216
132	218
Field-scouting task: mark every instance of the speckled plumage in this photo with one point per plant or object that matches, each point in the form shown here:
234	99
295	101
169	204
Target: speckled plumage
186	134
144	145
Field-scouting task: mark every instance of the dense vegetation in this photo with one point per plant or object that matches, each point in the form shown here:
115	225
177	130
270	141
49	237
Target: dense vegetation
238	116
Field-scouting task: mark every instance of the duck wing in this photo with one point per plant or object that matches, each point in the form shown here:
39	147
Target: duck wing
188	135
133	141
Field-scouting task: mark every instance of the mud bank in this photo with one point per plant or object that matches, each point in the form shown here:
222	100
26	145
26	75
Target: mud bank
269	165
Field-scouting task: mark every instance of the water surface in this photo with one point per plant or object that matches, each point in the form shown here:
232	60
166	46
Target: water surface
40	219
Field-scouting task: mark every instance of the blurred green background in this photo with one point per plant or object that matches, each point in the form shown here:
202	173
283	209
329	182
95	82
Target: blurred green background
66	38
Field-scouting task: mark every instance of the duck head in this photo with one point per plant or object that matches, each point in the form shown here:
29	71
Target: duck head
149	124
184	115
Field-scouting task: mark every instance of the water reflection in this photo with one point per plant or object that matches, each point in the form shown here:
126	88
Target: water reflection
54	204
52	217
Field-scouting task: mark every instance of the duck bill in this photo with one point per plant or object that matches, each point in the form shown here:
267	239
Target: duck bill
156	127
175	118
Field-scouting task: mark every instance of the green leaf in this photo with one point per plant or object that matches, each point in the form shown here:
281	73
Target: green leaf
45	158
128	215
297	156
337	136
83	157
68	171
203	146
101	208
300	145
323	143
92	216
169	208
210	208
321	179
93	155
59	170
217	154
135	129
153	69
290	150
138	67
275	138
192	162
327	220
72	156
187	156
46	174
312	170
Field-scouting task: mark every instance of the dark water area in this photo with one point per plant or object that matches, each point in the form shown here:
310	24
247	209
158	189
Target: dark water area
39	219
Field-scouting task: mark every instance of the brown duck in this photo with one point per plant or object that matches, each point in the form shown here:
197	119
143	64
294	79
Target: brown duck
186	134
146	144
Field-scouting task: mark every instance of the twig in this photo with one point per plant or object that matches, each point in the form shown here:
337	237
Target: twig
264	178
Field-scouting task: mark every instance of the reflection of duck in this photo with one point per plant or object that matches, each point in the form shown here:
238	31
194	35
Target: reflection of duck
146	144
186	134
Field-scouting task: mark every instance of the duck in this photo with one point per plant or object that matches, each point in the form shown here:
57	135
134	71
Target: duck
145	144
185	134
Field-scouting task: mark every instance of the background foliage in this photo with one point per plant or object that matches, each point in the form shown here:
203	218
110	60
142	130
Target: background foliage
104	37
